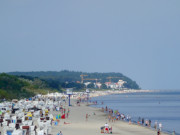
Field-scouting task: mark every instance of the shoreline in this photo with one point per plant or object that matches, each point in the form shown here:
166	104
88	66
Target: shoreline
132	122
130	91
96	119
96	93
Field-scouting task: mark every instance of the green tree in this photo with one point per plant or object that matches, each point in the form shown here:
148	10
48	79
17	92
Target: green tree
103	86
91	85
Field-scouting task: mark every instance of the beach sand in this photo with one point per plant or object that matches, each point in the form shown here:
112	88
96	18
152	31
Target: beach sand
79	126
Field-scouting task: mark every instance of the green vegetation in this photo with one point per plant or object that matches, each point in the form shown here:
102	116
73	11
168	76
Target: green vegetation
69	79
26	84
13	87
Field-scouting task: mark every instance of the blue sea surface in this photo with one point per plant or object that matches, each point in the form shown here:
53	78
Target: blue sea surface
160	106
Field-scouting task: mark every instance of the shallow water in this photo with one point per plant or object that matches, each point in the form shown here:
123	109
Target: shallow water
161	106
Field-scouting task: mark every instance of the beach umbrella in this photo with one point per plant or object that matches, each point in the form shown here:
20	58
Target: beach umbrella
63	116
54	118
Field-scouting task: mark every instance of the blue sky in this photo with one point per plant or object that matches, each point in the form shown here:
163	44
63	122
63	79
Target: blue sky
139	38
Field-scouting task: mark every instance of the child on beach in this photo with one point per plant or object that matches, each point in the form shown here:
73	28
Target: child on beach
158	133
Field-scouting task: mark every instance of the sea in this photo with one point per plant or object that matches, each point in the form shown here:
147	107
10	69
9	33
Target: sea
162	106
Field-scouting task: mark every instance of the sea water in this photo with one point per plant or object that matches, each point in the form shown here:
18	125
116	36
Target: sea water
160	106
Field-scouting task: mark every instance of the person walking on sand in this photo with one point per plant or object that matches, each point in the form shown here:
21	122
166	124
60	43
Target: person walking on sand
109	117
160	126
155	125
142	121
149	123
86	116
106	109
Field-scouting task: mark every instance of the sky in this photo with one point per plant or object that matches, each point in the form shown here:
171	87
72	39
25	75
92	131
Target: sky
138	38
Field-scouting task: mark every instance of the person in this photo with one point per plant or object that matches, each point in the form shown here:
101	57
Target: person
106	128
158	132
102	109
109	117
155	125
35	129
160	126
146	123
149	123
110	130
173	133
60	133
86	116
142	121
129	119
139	120
106	109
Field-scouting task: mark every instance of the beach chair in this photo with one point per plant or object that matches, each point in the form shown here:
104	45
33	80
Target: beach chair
32	133
49	129
17	132
11	125
4	123
32	128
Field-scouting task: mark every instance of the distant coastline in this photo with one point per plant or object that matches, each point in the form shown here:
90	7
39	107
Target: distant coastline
109	92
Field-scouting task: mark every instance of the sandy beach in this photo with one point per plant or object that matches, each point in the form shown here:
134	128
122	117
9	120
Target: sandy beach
77	124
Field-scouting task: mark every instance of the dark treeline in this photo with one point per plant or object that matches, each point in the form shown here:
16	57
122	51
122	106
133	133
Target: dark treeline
68	79
13	87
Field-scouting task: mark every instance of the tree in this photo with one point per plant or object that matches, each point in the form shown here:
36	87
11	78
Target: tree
91	85
103	86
